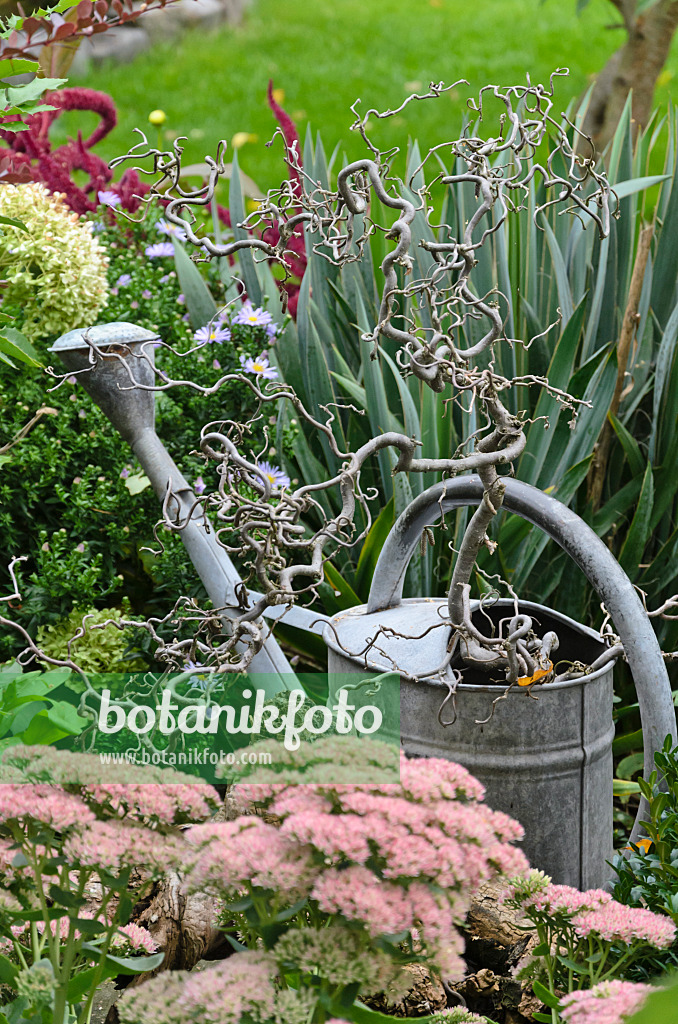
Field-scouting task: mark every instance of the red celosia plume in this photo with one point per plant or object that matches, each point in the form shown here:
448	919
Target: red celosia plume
28	155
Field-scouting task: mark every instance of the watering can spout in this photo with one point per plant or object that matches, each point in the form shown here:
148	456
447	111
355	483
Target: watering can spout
110	361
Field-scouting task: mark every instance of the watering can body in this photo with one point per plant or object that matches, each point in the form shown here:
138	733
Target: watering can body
543	758
547	762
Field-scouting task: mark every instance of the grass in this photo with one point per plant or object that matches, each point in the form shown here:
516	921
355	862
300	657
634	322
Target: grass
326	53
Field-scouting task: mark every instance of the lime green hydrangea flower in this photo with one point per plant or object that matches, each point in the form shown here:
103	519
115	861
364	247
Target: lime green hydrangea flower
55	270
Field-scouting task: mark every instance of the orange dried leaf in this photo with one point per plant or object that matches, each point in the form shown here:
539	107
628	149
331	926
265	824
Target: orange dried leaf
537	675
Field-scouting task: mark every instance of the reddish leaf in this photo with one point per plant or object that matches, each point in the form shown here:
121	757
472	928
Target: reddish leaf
65	30
11	175
31	26
100	28
101	7
84	9
117	6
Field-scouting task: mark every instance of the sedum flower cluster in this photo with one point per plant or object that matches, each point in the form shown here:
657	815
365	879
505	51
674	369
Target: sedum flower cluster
388	859
242	988
64	821
585	938
55	269
610	1002
332	887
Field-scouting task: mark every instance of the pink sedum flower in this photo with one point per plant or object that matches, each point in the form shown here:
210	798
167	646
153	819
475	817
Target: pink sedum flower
136	938
114	845
241	988
610	1002
616	922
165	803
44	803
259	854
386	858
241	985
358	895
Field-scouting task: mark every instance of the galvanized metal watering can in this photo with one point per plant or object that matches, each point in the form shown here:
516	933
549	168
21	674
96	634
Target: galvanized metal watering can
546	762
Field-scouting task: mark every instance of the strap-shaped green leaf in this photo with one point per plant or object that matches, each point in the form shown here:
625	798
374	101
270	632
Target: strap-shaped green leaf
199	302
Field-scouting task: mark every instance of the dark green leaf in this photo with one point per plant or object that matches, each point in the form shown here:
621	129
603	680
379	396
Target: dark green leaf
15	345
631	553
637	464
65	898
126	964
629	741
547	997
631	764
13	222
8	971
344	594
371	548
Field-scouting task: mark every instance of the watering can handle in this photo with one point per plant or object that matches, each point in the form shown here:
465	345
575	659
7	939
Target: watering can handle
606	576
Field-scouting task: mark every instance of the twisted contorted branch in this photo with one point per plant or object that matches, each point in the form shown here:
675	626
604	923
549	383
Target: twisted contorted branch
427	307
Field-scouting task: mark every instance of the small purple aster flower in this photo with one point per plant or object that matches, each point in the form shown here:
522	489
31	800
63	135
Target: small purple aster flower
199	485
113	291
165	228
108	198
123	281
271	332
80	547
125	473
159	250
164	278
252	317
260	366
216	365
181	299
186	318
277	479
71	380
134	304
212	333
147	294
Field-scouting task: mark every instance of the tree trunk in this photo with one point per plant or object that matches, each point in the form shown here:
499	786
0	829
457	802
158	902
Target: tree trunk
635	66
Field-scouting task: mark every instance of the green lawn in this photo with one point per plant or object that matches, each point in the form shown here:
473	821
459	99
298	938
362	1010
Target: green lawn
326	53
